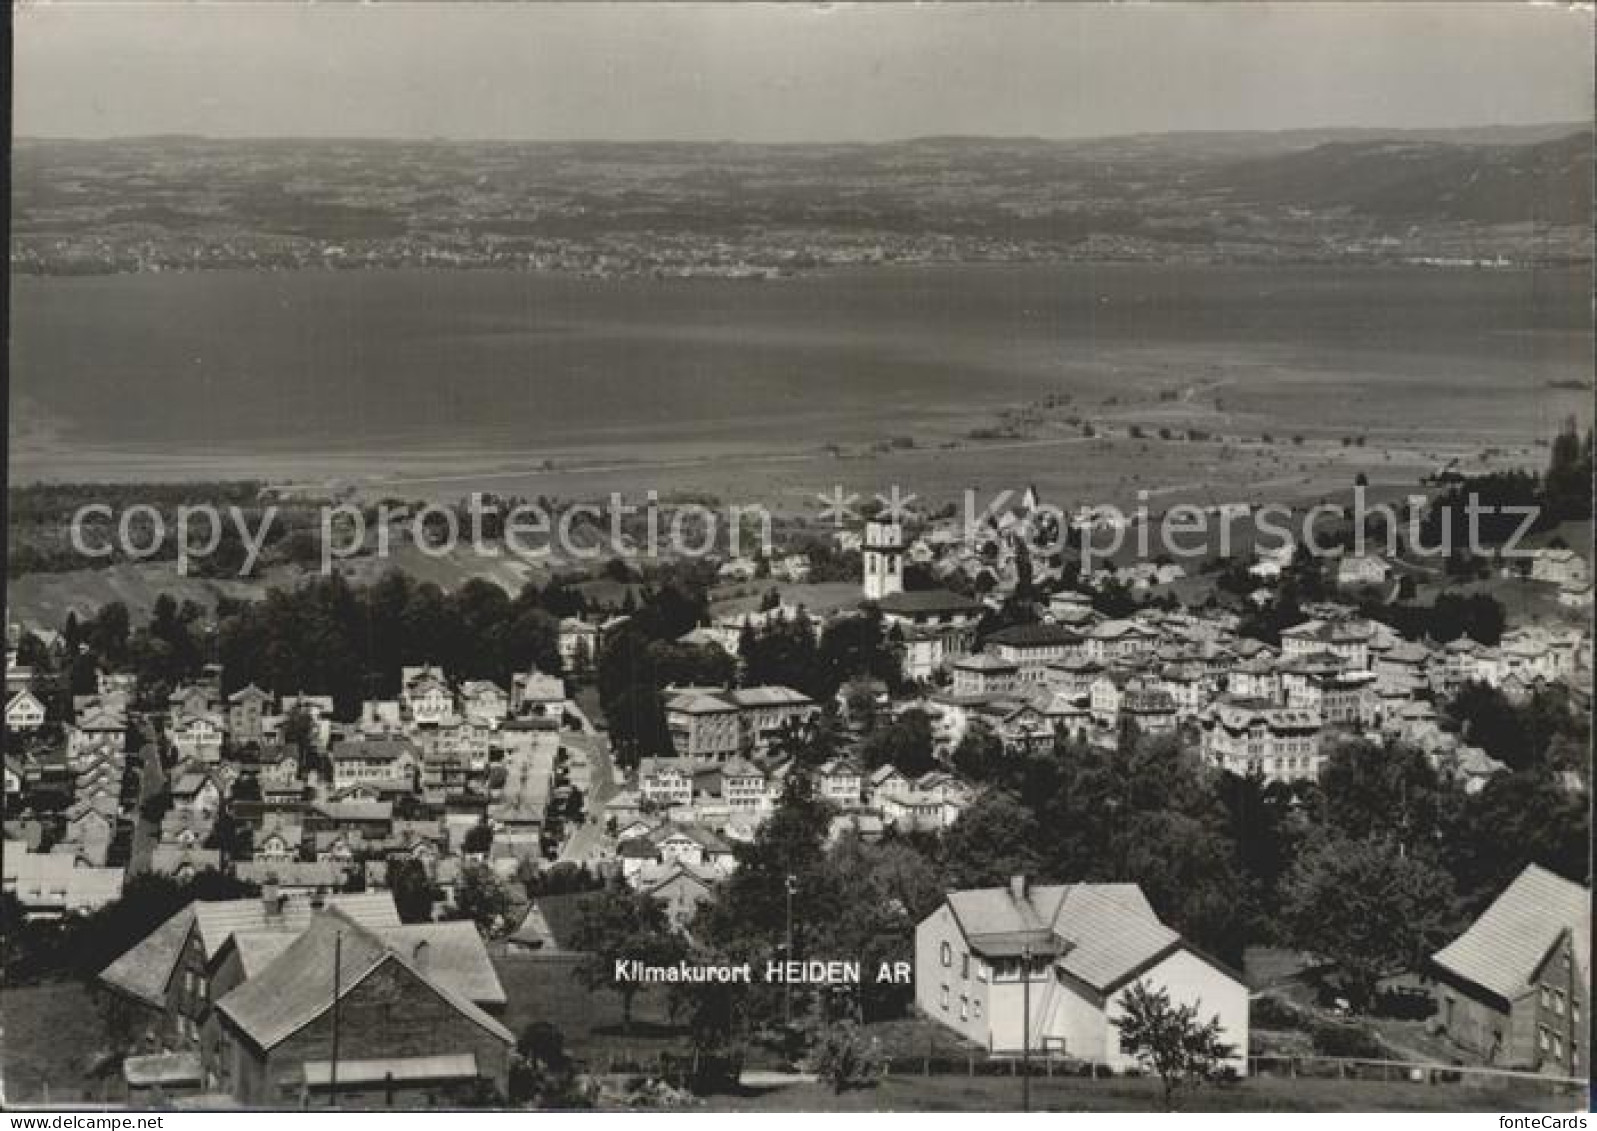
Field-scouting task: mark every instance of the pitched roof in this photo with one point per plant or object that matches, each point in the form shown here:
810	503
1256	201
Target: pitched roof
1102	934
298	986
143	970
455	957
700	703
554	919
1034	636
372	749
1503	949
984	662
913	601
770	695
218	919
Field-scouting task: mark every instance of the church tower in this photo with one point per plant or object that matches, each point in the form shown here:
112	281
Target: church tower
884	559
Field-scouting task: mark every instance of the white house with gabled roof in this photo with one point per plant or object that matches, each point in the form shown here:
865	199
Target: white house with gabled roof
1081	947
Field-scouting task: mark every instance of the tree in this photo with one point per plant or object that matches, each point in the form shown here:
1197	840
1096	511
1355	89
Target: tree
543	1073
478	839
906	743
980	751
747	918
414	894
1368	908
618	925
994	839
1389	790
844	1057
483	898
1518	819
1171	1040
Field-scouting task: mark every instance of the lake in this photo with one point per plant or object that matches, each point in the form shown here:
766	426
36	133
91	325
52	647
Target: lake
167	376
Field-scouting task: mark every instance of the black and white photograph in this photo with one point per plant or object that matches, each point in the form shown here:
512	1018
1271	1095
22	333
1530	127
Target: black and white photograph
747	558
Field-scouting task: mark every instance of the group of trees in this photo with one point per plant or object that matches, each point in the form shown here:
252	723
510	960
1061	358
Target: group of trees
351	642
791	653
643	656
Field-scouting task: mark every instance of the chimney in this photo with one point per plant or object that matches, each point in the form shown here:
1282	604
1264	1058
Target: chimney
419	956
1019	888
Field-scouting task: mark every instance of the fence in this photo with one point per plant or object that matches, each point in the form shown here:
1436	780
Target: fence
1368	1068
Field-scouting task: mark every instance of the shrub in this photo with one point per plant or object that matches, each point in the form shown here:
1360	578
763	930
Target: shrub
845	1057
1333	1038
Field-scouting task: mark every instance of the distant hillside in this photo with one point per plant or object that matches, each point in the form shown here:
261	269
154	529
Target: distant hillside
1549	181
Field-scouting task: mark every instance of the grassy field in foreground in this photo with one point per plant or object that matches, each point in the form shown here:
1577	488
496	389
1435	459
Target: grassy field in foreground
959	1093
50	1035
544	989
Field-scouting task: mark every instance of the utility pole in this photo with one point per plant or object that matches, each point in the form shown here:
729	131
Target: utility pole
787	983
332	1067
1025	1028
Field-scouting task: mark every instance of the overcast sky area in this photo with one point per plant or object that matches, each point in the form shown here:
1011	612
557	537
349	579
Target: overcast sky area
790	73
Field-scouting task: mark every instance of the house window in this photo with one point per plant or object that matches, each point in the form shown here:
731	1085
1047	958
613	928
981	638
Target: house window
981	970
1544	1037
977	1005
1558	1047
964	1008
947	955
1558	1002
964	966
943	1001
1547	998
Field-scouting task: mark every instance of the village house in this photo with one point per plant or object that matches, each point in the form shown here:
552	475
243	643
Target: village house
24	712
197	737
667	782
167	973
1032	647
984	674
49	885
101	727
406	1037
533	694
484	701
1112	640
578	644
680	888
743	787
710	723
356	761
691	845
703	725
1033	725
1558	566
1356	570
246	710
1081	947
840	782
1151	709
90	828
1347	641
278	841
935	626
426	697
1252	736
1512	989
1317	683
